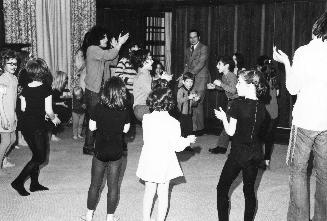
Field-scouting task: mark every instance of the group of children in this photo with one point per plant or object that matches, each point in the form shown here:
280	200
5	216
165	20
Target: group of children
158	163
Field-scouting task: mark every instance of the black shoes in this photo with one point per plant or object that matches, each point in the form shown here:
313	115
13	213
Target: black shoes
20	188
88	151
198	133
218	150
38	187
189	149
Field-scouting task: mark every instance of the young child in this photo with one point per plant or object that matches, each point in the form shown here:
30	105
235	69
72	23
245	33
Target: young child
78	112
36	101
227	83
158	163
246	121
185	99
111	119
8	105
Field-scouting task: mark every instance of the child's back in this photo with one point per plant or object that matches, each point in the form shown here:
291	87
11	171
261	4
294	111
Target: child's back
161	136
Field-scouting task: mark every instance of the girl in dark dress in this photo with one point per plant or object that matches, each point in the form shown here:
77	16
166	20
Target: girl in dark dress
36	102
111	119
246	117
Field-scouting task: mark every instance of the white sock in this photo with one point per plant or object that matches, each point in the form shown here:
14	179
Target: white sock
110	217
89	215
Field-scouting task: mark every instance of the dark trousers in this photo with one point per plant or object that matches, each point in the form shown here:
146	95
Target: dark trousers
91	100
228	175
97	175
38	141
186	124
223	138
269	138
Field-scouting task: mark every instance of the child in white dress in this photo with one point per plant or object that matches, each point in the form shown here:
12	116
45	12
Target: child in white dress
158	162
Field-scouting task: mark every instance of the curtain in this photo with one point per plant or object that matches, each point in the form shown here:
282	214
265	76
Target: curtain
53	34
20	23
168	36
250	28
83	17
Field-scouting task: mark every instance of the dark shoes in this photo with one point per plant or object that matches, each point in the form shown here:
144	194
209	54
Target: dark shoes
218	150
198	133
189	149
38	187
20	188
88	151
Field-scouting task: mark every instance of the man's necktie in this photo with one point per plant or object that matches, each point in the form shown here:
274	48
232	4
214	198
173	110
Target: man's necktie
192	49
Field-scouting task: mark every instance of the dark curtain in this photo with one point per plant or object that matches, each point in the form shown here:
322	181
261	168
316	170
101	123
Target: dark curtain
286	25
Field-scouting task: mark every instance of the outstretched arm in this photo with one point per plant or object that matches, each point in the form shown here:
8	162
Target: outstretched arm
292	81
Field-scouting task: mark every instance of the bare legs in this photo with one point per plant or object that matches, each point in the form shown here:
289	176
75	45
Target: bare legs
150	191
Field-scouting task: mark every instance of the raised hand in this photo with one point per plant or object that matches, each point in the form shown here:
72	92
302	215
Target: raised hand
123	39
113	42
220	114
280	56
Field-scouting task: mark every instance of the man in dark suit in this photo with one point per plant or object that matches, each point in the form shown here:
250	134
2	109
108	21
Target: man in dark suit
196	62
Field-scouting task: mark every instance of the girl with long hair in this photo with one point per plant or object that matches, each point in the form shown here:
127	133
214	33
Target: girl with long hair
110	119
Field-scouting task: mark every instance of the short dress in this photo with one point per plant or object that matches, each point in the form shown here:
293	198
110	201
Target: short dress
9	100
158	162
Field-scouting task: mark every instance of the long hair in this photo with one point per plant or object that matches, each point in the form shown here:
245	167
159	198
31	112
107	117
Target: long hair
114	95
160	99
258	80
154	67
319	28
138	58
95	34
59	81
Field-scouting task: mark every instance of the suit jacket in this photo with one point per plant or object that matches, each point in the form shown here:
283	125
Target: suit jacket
197	64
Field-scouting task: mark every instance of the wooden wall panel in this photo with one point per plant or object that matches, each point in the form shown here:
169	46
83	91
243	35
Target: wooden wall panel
249	32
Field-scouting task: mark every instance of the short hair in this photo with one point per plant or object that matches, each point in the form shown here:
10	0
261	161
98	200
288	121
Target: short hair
59	80
227	60
240	60
196	31
160	99
114	95
138	58
258	80
96	34
319	28
188	75
37	70
6	55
